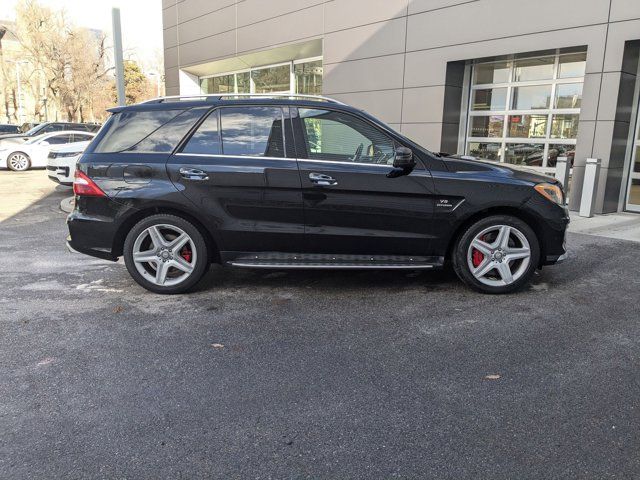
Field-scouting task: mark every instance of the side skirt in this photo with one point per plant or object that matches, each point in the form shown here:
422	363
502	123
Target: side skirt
328	261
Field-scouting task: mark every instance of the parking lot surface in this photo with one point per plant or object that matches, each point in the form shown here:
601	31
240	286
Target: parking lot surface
274	374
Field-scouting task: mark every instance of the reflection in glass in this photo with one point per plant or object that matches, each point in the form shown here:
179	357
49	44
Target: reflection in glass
206	140
564	126
528	126
486	126
169	135
341	137
531	98
130	127
634	191
636	164
572	65
559	150
308	77
252	131
494	72
568	95
488	151
243	83
272	79
489	99
540	68
524	154
226	84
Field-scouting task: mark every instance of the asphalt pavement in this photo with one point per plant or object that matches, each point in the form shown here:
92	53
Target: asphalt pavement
275	374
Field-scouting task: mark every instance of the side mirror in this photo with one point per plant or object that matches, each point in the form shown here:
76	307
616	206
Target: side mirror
403	163
44	142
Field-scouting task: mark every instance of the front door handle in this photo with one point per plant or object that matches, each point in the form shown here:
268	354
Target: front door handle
193	174
322	180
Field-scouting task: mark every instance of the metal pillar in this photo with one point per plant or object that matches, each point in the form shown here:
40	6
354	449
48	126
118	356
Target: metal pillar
589	187
563	170
117	55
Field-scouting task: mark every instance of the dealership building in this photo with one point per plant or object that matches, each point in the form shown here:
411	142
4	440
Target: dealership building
515	81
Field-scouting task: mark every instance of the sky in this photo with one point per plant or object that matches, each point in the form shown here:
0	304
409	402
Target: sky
141	23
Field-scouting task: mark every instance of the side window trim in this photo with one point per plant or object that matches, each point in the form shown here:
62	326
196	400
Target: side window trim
300	135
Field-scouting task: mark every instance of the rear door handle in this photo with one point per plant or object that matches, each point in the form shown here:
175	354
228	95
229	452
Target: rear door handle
193	174
322	180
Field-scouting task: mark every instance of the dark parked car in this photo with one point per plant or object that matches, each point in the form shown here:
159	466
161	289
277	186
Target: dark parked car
50	127
8	128
174	185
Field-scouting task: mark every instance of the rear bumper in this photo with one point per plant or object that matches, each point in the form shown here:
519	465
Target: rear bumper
104	254
92	233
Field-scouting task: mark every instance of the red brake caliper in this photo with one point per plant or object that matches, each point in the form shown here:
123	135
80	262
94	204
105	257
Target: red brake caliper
477	257
186	253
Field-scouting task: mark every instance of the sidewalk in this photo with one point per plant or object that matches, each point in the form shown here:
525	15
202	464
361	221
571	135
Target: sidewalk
623	226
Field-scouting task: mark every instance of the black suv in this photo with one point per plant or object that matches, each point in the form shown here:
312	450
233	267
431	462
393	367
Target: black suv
174	185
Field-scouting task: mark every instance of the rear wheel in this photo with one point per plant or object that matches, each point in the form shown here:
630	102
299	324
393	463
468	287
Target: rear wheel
166	254
497	254
18	162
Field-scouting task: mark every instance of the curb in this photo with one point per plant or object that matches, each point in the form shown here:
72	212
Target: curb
68	204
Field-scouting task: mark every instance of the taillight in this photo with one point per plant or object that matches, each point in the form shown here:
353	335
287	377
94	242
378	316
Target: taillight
83	186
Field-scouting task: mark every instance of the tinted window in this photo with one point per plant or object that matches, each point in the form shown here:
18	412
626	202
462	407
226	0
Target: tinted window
59	139
252	131
341	137
78	137
206	140
128	128
167	137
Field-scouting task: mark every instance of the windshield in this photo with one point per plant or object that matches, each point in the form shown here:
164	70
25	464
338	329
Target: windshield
35	129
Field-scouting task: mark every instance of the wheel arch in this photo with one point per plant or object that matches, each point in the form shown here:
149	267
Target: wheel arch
519	213
129	223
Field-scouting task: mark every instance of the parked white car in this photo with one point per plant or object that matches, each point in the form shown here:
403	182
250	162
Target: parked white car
61	164
33	153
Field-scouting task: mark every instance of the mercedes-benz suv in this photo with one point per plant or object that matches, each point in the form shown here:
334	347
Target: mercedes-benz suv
176	184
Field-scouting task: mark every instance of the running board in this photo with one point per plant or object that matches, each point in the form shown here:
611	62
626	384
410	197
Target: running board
329	261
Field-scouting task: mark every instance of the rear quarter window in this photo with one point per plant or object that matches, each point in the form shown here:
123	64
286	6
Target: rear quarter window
142	131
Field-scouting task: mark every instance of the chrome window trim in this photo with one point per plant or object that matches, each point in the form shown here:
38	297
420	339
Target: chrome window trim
216	155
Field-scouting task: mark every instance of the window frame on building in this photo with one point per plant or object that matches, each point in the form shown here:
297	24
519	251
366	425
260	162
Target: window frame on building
252	87
508	87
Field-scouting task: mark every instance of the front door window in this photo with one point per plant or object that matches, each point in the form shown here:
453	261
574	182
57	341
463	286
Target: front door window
340	137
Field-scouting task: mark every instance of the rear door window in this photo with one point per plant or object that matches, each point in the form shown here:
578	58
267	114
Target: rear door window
252	131
206	140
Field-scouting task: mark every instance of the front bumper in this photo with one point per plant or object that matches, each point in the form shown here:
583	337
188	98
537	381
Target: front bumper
60	172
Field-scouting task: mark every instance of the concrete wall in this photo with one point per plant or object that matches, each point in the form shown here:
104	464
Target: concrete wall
394	58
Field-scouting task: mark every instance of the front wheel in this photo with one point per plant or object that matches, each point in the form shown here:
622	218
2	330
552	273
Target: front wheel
18	162
166	254
498	254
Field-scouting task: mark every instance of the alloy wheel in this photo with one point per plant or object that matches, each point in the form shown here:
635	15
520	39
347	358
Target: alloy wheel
499	255
19	162
165	255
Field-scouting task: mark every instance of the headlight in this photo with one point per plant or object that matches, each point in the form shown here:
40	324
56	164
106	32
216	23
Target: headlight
550	192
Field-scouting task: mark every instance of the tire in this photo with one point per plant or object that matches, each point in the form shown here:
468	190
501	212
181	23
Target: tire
18	162
502	242
144	251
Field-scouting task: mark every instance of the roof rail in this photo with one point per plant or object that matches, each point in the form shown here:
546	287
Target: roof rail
206	96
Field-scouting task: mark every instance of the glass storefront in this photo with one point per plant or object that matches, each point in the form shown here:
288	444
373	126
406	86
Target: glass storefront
524	109
303	77
633	191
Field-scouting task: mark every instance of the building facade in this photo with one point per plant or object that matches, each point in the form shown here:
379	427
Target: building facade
514	81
